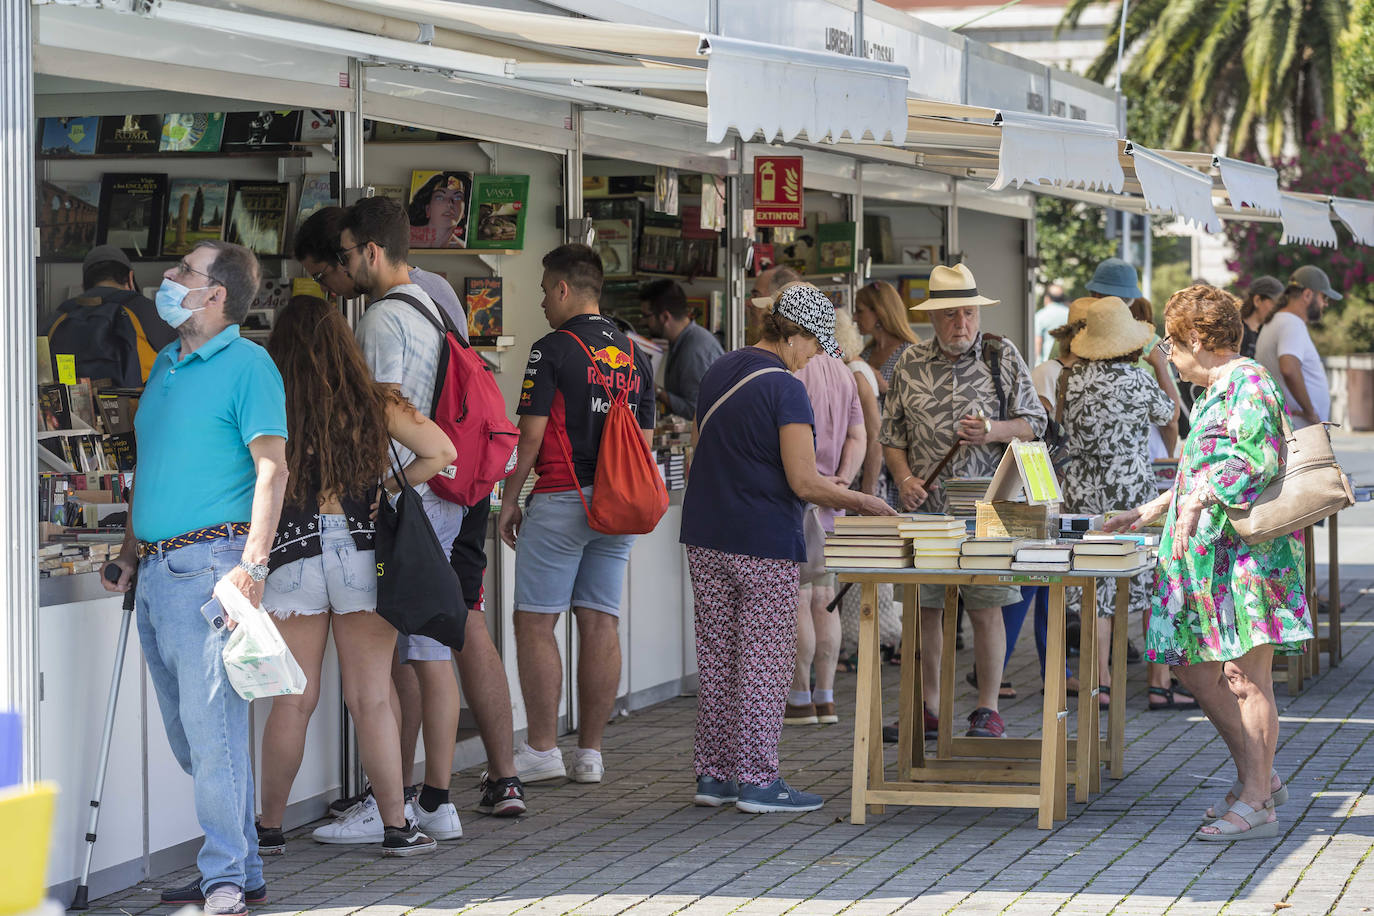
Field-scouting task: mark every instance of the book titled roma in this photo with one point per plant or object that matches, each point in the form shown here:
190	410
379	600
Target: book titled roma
482	300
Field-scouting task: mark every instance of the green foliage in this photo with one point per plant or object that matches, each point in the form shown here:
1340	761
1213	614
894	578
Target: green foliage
1357	69
1070	239
1238	70
1349	330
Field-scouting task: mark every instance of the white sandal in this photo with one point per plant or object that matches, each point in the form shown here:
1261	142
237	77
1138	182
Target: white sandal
1259	827
1278	798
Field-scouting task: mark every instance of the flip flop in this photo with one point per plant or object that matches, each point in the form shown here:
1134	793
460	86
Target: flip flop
1172	699
1258	826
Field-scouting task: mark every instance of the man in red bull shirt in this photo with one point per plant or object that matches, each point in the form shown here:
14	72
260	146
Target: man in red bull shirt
560	561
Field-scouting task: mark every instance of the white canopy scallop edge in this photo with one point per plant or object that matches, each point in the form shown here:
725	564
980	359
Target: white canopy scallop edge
1307	221
1250	185
1169	187
1358	216
783	92
1057	152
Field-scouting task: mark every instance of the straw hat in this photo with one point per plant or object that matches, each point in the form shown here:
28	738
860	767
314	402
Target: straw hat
952	288
1111	331
1078	309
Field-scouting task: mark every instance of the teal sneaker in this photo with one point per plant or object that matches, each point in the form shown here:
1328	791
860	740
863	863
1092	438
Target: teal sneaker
775	797
712	793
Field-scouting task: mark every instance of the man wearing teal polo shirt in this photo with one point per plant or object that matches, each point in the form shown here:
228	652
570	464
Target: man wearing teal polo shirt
211	473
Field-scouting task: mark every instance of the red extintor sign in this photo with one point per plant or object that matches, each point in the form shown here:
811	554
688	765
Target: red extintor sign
778	191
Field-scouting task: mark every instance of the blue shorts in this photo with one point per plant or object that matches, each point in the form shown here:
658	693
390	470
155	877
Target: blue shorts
560	562
342	579
447	519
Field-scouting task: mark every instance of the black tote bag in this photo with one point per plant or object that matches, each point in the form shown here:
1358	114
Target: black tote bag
417	589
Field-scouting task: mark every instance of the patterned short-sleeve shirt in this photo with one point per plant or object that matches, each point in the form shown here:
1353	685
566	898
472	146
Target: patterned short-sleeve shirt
929	393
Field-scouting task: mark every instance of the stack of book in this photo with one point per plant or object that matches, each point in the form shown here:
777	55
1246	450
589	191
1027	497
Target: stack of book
1043	556
988	553
1108	555
1074	526
935	540
1147	539
672	467
962	494
868	542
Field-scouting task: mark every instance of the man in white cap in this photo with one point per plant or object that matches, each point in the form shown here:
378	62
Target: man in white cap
1285	347
970	393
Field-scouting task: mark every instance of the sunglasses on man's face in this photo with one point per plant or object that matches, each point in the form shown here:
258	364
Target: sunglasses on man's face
342	254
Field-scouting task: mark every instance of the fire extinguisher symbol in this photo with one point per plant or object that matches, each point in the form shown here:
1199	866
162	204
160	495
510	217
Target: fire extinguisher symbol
768	181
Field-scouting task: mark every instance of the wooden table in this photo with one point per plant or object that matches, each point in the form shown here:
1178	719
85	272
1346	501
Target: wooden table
1295	669
985	772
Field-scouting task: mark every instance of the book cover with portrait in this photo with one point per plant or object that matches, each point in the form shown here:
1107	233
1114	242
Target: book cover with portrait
438	209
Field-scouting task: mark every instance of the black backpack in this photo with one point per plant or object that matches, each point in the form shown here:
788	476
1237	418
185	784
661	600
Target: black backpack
106	338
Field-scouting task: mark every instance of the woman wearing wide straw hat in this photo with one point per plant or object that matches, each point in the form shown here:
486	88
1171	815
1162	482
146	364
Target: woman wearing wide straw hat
1109	405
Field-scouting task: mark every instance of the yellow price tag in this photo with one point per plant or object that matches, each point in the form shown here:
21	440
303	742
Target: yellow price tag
66	368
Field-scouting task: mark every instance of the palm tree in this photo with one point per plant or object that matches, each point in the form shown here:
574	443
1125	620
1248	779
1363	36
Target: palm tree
1248	75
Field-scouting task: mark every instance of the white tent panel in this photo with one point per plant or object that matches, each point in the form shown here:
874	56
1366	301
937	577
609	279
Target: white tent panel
1057	152
1250	185
790	92
1172	188
1358	216
1307	221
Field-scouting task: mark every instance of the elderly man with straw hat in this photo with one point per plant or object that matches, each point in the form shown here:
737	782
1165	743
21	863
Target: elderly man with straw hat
963	394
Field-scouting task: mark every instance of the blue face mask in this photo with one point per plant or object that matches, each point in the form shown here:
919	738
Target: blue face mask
169	298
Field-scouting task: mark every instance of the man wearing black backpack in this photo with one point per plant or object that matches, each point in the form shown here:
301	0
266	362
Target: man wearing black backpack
113	330
402	346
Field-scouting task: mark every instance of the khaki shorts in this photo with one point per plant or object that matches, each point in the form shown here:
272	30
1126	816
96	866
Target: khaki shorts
974	596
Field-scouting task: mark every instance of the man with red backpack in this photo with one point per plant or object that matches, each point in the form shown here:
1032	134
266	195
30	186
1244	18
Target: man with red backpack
400	338
585	386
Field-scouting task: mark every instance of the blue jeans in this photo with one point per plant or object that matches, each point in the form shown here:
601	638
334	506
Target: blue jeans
206	721
1014	615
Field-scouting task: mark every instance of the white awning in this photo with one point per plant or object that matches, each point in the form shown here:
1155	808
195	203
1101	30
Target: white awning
1250	185
1358	216
1057	152
783	92
1169	187
1306	221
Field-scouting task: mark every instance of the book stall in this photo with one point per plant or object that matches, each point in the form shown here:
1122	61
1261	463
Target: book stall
1016	536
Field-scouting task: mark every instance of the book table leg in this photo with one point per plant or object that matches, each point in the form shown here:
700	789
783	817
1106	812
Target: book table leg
869	659
1088	679
1116	712
1052	726
1333	594
911	699
944	745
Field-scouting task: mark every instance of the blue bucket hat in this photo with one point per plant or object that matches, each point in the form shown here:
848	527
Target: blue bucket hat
1114	277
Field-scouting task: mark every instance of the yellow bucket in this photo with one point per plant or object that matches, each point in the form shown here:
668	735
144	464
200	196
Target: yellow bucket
25	825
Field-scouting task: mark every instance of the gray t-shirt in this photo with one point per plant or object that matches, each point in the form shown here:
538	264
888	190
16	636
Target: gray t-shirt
401	347
443	295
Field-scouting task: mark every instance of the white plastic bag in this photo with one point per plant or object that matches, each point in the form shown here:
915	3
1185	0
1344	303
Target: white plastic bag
256	657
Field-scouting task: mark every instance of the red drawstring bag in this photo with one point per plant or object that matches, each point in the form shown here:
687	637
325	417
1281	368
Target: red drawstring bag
628	495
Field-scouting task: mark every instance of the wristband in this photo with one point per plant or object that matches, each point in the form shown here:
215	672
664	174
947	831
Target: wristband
906	478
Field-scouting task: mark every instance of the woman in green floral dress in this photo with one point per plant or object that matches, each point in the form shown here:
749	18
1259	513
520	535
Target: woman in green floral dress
1221	608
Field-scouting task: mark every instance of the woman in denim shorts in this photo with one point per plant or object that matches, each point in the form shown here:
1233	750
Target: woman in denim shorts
324	575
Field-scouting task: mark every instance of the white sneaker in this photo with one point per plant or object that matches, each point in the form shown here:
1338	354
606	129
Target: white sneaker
441	824
587	765
362	824
532	766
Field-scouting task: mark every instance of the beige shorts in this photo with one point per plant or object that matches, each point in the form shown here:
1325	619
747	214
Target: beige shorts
974	596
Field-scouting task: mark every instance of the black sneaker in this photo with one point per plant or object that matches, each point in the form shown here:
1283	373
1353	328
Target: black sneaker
191	893
271	841
225	900
341	806
502	797
406	841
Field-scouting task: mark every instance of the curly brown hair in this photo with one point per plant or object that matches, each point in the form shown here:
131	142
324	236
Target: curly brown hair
335	413
1213	313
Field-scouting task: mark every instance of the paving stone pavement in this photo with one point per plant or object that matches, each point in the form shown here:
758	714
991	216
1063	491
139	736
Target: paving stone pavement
636	845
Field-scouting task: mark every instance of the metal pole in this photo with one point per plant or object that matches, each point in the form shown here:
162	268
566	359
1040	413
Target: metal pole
736	290
18	362
574	225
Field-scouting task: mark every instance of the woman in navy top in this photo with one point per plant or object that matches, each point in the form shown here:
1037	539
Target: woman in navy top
754	469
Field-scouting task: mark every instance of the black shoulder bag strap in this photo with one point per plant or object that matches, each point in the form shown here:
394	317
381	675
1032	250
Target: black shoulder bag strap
992	355
1060	391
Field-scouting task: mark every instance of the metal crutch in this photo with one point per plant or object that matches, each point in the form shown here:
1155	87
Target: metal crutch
81	901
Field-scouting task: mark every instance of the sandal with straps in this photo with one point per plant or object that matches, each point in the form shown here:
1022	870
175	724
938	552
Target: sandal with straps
1258	826
1279	797
1173	699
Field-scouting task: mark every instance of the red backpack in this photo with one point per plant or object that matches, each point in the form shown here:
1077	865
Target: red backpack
469	408
628	495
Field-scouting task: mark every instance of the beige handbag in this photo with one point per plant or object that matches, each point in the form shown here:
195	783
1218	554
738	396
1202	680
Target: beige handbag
1309	487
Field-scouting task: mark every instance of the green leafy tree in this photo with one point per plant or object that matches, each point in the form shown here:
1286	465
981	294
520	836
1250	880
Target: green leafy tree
1357	70
1239	70
1070	238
